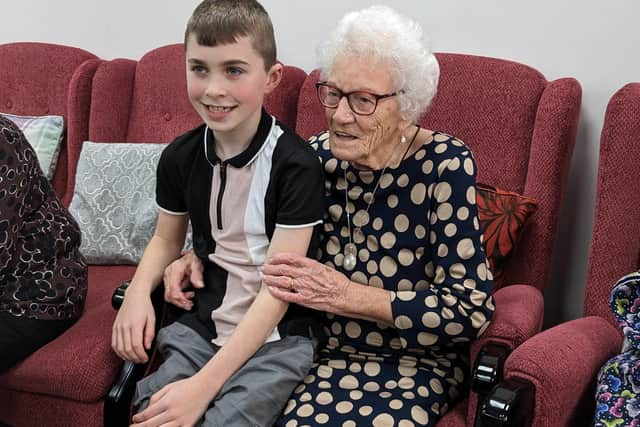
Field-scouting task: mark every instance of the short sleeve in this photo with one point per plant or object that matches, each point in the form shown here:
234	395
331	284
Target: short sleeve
300	191
170	183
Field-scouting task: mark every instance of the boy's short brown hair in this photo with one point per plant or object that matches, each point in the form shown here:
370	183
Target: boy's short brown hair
219	22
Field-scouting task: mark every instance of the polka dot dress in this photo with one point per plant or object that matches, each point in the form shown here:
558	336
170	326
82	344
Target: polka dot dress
421	241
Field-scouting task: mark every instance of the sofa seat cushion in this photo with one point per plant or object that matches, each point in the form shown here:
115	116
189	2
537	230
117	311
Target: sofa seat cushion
79	365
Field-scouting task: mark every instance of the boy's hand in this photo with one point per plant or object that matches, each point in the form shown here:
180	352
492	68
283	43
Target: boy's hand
134	327
181	403
178	276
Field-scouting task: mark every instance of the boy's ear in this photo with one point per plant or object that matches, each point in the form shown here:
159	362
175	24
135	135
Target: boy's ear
274	76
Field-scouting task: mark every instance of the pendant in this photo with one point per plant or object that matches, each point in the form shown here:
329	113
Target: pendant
350	259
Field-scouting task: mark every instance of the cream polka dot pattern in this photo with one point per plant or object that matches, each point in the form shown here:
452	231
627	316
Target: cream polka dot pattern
450	230
401	223
466	249
419	415
356	395
444	211
349	382
365	410
454	164
322	419
418	194
419	241
305	410
344	407
388	240
383	420
442	192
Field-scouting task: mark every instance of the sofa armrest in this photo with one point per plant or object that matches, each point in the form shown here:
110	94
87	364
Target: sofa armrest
118	295
117	408
518	316
508	404
561	365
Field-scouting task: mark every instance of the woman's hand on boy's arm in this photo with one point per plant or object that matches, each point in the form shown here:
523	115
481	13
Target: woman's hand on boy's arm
185	271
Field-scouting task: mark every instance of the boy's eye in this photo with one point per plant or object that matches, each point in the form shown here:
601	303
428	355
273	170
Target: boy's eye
198	69
234	71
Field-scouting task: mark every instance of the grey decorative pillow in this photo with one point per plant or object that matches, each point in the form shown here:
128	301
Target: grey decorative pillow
114	200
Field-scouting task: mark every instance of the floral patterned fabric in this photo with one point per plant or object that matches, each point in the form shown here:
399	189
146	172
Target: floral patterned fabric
42	273
618	393
502	215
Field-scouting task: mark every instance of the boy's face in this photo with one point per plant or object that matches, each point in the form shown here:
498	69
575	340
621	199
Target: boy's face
227	84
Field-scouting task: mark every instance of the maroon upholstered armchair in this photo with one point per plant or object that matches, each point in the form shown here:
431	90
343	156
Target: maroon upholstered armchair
522	130
42	78
146	101
560	365
62	383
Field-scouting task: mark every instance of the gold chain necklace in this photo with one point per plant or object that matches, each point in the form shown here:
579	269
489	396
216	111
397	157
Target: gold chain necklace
350	250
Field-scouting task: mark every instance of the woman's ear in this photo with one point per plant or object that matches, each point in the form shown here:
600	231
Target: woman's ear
404	126
274	76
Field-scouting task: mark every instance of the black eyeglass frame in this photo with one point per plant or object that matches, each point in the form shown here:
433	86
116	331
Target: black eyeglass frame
377	97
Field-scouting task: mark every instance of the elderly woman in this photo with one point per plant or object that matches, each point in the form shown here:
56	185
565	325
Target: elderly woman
43	276
402	275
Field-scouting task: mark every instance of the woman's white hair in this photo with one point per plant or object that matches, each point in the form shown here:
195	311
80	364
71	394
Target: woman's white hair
380	35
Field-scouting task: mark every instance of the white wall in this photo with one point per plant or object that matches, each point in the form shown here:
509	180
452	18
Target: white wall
596	42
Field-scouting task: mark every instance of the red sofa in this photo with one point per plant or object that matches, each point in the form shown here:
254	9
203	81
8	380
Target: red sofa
54	383
559	366
522	130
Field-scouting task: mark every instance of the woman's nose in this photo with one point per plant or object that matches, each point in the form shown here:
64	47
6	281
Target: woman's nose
343	112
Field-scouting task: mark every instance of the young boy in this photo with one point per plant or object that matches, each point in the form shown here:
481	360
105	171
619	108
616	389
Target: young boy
251	188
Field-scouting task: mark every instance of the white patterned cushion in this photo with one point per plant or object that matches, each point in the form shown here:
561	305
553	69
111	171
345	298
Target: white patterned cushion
44	134
114	200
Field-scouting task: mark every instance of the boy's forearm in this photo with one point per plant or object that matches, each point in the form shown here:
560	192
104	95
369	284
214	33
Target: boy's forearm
262	317
158	254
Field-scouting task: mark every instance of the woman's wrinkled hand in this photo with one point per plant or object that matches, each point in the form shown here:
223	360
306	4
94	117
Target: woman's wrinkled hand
300	280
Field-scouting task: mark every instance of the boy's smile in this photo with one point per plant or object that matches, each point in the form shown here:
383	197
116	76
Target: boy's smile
226	86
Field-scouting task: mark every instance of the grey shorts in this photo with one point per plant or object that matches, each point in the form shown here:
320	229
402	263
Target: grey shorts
254	396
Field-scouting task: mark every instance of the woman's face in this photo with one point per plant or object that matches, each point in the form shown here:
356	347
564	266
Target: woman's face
366	141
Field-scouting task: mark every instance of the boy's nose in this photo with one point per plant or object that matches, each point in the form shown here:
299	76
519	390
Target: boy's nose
215	88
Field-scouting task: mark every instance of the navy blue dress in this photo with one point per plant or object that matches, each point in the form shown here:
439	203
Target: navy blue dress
421	241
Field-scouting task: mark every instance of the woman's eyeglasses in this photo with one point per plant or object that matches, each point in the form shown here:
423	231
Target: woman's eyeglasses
361	102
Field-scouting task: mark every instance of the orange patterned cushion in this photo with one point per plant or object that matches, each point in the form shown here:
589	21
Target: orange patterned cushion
502	216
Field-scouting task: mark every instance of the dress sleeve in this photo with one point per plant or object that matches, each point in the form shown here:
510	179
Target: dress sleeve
457	305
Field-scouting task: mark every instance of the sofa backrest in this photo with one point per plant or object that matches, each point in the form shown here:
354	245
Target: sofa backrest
521	129
39	79
615	239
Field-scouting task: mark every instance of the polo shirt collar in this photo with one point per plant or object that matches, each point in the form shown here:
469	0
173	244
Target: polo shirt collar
245	157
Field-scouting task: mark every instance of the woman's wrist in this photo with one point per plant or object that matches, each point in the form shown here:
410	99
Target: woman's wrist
366	302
